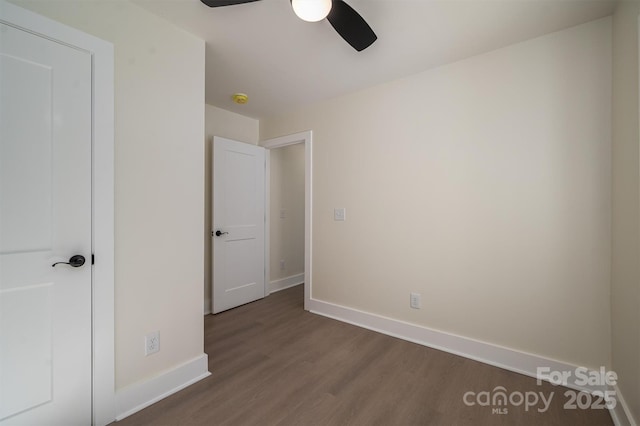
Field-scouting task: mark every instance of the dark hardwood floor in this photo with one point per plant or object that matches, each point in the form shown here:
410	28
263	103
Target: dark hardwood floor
272	363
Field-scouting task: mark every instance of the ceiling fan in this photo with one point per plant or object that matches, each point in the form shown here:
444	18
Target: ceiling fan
346	21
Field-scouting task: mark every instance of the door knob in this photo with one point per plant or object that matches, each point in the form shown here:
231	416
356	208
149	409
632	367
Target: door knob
219	233
76	261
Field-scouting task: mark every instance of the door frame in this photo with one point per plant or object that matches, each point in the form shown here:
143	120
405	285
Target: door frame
102	144
279	142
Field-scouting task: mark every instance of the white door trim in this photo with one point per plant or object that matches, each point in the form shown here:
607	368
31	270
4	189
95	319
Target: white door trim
307	139
102	186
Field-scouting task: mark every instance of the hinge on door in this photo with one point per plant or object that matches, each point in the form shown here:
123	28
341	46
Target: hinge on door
93	259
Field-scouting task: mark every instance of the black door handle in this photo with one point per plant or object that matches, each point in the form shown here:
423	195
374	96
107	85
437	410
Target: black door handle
219	233
76	261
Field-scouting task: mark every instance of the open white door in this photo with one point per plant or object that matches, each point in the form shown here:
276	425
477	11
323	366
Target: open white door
45	217
238	223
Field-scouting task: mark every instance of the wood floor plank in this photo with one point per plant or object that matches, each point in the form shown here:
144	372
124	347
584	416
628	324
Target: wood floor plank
272	363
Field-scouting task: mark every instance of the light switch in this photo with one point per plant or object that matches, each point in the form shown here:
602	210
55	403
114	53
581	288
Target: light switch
340	214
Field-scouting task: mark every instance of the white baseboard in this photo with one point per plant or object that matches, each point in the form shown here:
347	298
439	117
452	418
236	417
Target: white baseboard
498	356
621	415
140	395
207	307
285	283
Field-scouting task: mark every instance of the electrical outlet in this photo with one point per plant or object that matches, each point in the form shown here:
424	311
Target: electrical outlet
340	214
151	343
414	300
282	264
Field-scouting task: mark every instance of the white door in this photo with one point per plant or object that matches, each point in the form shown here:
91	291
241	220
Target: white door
238	223
45	217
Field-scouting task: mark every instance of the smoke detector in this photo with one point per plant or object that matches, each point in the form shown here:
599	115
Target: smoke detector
240	98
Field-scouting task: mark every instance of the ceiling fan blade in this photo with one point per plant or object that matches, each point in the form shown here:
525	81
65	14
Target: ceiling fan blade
351	26
218	3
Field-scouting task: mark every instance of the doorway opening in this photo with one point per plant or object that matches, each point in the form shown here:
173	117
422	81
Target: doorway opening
286	208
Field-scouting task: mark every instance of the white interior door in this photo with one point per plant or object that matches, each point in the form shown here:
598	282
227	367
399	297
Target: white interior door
45	217
238	223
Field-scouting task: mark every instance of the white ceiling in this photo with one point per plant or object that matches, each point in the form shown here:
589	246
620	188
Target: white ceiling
283	63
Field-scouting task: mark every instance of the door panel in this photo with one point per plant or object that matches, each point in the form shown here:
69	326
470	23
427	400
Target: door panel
45	217
29	359
26	223
238	211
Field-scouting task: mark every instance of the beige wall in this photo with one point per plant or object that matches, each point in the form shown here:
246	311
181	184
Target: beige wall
287	196
159	175
227	124
484	185
625	289
220	122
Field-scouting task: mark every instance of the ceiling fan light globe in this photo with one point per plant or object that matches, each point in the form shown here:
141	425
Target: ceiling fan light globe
311	10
